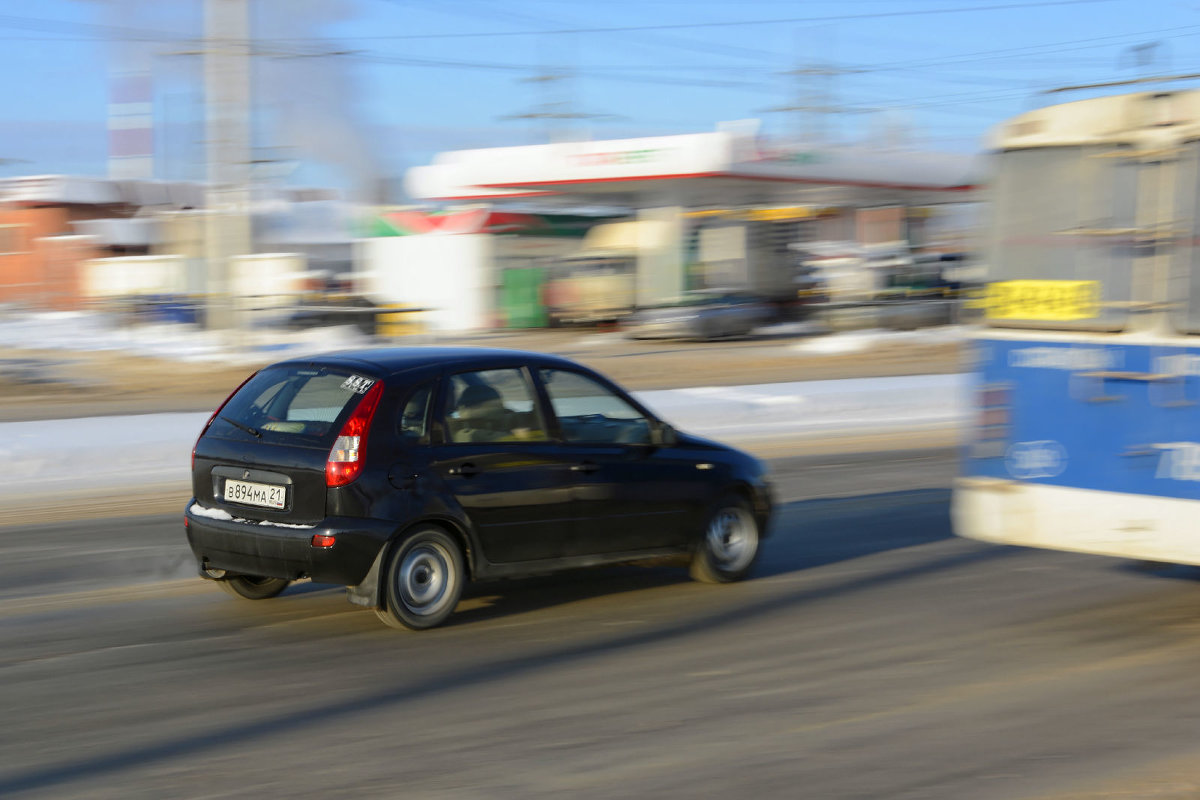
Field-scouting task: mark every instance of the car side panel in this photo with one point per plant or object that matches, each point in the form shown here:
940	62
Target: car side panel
517	497
636	496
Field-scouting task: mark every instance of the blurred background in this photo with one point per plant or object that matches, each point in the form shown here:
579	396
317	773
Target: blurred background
766	219
444	168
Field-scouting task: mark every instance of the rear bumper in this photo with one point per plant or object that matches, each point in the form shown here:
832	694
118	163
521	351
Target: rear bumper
286	552
1032	514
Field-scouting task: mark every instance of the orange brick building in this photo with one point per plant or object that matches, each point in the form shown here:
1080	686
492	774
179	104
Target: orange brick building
40	249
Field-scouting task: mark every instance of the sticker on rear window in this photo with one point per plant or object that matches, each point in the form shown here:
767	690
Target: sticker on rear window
358	384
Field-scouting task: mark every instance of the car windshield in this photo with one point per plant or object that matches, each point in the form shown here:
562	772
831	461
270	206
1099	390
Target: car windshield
293	404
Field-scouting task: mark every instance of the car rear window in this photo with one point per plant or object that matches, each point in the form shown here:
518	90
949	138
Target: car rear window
297	405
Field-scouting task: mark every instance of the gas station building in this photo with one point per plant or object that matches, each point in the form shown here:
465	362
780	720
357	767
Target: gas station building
725	200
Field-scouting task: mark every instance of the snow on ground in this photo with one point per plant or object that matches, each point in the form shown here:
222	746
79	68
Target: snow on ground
805	328
600	339
865	405
872	338
141	453
134	453
88	330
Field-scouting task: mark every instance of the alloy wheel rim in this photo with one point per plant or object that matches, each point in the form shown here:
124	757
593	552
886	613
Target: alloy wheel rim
732	539
426	578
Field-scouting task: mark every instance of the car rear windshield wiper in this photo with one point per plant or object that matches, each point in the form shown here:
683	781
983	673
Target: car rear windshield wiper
255	432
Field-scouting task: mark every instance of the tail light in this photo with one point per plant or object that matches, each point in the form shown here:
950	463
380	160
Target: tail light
346	456
208	424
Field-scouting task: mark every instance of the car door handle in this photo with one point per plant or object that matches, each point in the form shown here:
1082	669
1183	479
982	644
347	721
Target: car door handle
586	466
466	469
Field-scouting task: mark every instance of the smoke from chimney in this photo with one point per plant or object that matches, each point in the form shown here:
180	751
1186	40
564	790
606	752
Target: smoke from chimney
303	95
308	103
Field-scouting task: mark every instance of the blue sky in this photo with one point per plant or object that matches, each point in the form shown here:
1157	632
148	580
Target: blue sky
385	84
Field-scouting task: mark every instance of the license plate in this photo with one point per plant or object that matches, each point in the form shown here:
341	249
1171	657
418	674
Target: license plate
255	494
1052	301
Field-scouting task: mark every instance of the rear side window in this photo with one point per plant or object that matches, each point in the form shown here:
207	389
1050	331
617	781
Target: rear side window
413	424
300	405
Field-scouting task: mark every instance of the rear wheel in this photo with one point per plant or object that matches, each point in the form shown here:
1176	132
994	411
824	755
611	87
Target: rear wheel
253	587
729	545
423	582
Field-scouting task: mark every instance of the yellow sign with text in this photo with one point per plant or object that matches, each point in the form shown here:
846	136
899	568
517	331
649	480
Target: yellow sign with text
1051	301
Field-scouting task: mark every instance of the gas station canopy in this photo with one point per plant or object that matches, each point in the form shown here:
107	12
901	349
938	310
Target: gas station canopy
723	168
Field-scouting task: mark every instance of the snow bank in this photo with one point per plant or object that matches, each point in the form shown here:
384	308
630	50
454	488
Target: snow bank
91	331
872	338
144	452
787	409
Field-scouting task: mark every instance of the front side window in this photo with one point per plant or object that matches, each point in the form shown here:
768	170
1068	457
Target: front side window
495	405
1063	238
589	412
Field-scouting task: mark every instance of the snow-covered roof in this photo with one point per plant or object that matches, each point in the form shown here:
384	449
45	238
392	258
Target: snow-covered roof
122	232
89	191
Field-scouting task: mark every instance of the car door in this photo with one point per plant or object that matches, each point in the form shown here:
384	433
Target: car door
629	494
744	315
501	466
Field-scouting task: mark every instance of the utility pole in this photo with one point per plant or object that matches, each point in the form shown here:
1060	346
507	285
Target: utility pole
226	55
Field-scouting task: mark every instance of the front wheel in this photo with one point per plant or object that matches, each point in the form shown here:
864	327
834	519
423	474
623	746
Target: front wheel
424	580
730	543
253	587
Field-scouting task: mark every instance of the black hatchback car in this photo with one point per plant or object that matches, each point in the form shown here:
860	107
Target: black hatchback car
403	473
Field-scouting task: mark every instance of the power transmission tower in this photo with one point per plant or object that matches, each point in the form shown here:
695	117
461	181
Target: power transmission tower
4	162
814	104
1144	57
556	108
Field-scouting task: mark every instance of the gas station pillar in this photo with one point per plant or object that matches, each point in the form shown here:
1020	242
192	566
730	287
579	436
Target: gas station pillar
660	267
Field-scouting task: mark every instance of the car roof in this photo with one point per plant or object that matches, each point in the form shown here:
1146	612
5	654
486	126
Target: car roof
399	359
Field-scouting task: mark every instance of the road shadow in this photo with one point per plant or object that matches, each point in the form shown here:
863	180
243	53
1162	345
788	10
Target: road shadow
805	535
1162	569
810	536
814	533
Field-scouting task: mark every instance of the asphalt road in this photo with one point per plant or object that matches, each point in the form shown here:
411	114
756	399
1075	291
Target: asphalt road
872	655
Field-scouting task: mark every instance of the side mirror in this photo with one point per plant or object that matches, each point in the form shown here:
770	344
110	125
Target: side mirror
663	435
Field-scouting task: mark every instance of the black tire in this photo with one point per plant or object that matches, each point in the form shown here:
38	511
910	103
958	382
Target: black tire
253	587
728	545
423	581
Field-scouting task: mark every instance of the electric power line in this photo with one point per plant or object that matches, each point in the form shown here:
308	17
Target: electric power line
722	24
657	39
1091	42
